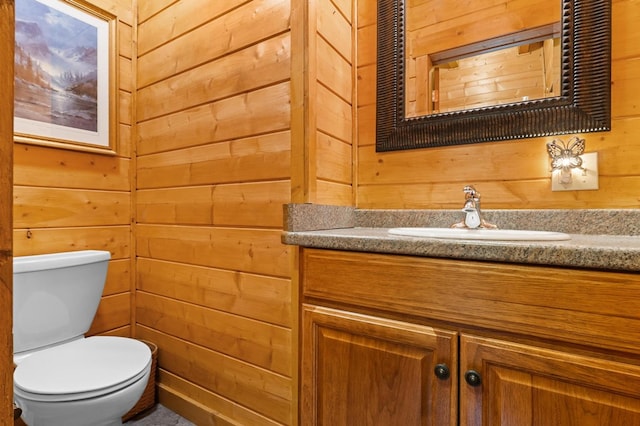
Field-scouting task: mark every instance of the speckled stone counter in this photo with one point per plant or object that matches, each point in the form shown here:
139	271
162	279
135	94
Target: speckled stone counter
600	239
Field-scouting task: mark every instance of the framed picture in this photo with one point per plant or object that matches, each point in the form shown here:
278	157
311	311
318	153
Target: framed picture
65	79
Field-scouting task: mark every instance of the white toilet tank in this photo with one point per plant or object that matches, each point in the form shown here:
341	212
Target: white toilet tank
55	296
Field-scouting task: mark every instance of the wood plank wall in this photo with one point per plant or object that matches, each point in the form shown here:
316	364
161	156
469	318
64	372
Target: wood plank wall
67	200
206	110
333	95
510	174
213	171
7	10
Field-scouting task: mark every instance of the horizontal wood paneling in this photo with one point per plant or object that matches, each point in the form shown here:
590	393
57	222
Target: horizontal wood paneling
183	397
625	37
219	79
125	69
248	250
115	239
178	206
226	205
125	113
260	158
255	21
114	312
367	32
165	27
242	338
334	159
47	167
48	207
521	194
625	76
367	96
257	204
68	200
510	174
259	390
261	111
334	115
121	331
507	159
149	8
118	277
334	25
253	296
334	71
334	193
213	170
125	43
332	103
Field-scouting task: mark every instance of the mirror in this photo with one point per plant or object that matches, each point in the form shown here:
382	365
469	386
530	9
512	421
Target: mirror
567	47
515	67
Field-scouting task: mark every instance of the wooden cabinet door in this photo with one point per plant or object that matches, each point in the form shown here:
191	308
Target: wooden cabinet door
363	370
521	385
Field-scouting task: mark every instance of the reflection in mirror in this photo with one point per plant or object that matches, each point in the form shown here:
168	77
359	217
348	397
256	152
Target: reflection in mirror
430	92
442	40
518	67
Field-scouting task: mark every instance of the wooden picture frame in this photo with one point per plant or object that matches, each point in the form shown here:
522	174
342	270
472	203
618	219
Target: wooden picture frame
65	75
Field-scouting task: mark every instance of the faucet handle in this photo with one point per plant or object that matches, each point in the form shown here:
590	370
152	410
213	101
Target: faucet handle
470	191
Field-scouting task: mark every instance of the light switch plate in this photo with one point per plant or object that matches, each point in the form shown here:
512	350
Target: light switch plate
584	179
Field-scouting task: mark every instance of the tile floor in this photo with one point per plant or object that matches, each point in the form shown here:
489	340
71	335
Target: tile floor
159	416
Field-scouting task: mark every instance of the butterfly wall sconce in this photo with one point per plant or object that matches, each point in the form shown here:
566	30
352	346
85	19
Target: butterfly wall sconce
566	157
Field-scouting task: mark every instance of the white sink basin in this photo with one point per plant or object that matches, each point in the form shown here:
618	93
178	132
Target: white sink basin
481	234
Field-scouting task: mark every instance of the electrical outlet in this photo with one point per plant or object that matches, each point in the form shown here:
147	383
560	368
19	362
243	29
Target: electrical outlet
581	179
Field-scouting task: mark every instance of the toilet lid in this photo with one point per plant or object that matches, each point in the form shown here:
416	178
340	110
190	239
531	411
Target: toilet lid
94	366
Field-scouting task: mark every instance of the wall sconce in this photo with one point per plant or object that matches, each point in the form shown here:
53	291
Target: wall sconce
567	157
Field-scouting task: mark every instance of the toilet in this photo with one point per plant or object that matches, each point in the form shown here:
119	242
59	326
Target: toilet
63	378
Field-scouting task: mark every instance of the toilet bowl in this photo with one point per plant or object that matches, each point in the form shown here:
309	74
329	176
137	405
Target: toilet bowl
63	378
92	381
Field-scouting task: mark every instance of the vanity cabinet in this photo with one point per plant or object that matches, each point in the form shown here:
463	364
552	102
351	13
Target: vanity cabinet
523	385
364	370
402	340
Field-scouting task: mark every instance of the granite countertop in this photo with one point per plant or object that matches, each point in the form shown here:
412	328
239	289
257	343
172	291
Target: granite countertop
367	231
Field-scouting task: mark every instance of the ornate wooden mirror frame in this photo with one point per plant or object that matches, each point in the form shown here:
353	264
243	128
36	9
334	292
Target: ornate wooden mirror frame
583	106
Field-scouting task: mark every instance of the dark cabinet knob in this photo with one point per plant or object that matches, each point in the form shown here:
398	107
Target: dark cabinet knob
442	371
473	378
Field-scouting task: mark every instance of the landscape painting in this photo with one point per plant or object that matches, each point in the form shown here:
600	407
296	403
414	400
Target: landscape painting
62	74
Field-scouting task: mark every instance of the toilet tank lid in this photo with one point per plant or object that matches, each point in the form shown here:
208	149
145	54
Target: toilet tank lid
39	262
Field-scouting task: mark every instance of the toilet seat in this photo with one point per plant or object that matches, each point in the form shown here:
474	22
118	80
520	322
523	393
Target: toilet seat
82	369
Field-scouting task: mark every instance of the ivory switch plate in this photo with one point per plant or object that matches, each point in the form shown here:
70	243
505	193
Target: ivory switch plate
581	180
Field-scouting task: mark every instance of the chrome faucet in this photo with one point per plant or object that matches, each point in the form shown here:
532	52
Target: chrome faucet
473	214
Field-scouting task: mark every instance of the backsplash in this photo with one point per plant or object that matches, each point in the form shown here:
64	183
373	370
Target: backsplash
309	217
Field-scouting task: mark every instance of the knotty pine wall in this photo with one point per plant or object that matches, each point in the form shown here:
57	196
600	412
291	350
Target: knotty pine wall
70	200
237	107
511	174
331	97
7	31
213	171
228	91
